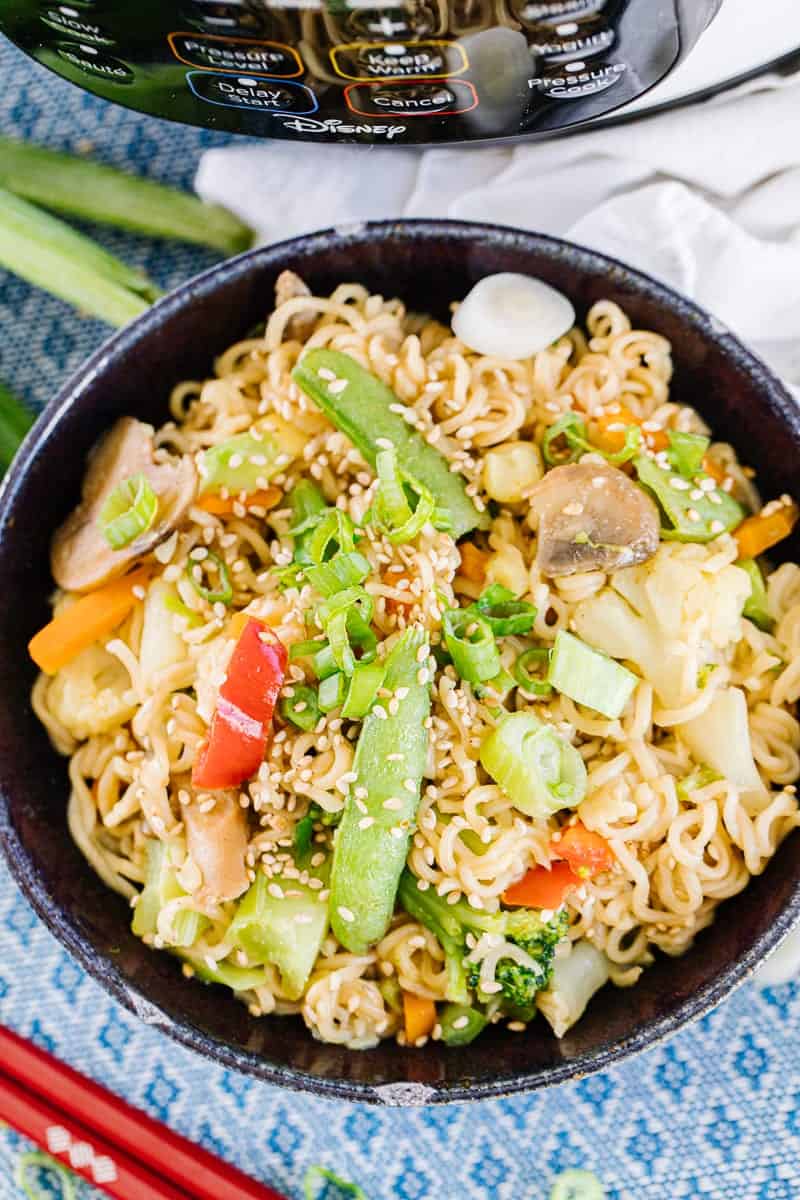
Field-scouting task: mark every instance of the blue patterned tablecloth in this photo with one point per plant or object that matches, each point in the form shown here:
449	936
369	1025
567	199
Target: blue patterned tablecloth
713	1113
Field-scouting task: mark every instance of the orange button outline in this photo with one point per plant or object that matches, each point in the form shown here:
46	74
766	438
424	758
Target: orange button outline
213	37
345	46
450	112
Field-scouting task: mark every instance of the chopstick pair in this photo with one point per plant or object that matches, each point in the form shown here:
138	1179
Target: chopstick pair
103	1139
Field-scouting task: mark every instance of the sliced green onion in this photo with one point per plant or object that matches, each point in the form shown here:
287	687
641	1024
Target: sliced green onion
128	512
530	671
305	649
363	689
242	463
471	645
316	1175
96	192
756	606
223	593
497	688
455	1030
577	1185
333	532
174	605
301	709
345	570
686	452
589	677
332	691
341	612
361	634
15	421
307	504
540	771
505	614
572	429
393	511
303	839
50	254
323	662
688	514
37	1160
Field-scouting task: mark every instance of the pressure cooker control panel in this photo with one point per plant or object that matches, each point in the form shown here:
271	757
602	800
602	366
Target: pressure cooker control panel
373	71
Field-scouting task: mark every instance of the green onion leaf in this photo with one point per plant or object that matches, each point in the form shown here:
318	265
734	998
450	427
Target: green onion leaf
686	452
365	681
393	511
320	1175
49	254
332	691
223	592
530	671
471	644
303	839
539	770
305	649
589	677
332	533
174	605
96	192
504	614
242	463
301	709
344	570
128	512
572	429
688	514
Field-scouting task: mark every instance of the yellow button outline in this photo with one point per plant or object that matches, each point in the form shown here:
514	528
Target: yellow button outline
347	46
213	37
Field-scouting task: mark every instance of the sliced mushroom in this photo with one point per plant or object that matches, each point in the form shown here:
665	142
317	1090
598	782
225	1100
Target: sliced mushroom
591	517
217	844
289	286
80	556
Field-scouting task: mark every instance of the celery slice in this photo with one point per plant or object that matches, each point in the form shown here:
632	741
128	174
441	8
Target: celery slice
49	254
589	677
97	192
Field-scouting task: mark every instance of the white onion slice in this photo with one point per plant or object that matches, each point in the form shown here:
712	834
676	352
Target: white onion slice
512	316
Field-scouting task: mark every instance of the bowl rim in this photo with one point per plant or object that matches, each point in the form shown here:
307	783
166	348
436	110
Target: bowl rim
102	969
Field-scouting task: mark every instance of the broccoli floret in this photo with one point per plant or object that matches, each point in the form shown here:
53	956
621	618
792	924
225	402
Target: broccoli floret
525	927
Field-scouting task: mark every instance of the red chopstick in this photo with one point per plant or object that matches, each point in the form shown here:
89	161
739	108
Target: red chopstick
48	1095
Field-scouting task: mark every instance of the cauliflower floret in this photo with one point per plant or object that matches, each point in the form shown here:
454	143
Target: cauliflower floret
669	617
92	694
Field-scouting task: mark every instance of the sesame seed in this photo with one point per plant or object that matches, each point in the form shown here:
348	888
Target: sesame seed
680	485
410	786
397	832
716	526
326	373
394	758
380	712
573	509
693	515
491	987
346	914
516	1026
276	890
393	804
461	1022
366	822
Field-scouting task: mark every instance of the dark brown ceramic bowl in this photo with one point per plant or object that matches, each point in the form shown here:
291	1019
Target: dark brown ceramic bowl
427	264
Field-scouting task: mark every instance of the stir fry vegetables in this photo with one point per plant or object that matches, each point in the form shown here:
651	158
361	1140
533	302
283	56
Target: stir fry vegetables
243	463
161	886
365	409
241	723
760	533
128	512
372	841
543	887
756	606
86	621
589	677
587	852
419	1016
538	769
284	922
692	511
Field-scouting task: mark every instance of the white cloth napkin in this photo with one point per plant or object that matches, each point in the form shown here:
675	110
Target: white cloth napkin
706	198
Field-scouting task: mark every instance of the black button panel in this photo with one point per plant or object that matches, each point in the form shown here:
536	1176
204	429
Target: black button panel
412	72
571	40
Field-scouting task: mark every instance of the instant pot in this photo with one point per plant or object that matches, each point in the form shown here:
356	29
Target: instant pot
400	72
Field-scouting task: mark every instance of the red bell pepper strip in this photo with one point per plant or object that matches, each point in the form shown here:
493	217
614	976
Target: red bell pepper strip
587	853
543	887
241	722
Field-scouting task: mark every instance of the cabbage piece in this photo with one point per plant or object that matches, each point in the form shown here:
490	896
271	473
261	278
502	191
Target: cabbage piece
161	646
720	738
651	611
576	978
92	694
